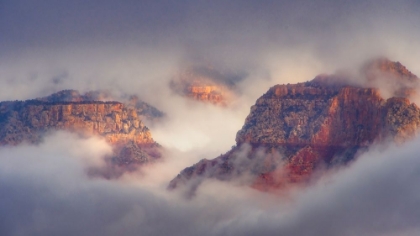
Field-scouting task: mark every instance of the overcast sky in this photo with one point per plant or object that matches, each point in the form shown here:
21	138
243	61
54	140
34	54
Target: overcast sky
204	28
133	45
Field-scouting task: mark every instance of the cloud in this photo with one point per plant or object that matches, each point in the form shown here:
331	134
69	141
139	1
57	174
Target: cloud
289	41
45	191
137	48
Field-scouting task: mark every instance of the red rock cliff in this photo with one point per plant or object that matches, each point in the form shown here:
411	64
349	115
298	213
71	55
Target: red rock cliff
120	125
206	85
144	110
293	130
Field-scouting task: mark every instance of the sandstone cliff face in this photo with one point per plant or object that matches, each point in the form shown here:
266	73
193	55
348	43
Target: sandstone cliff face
120	125
206	85
206	93
144	110
294	130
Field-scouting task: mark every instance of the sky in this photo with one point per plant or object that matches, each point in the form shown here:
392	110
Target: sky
136	47
282	41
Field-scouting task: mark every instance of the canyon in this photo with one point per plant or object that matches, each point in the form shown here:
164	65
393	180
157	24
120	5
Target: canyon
293	133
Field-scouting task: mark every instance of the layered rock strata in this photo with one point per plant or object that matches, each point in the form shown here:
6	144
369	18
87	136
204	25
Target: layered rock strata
143	109
119	125
294	130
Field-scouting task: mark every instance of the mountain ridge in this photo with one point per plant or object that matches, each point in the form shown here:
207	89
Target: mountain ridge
296	129
120	125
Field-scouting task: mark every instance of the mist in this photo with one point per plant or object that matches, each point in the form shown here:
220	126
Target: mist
136	48
46	191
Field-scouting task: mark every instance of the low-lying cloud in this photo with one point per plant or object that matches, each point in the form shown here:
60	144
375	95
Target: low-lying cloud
45	191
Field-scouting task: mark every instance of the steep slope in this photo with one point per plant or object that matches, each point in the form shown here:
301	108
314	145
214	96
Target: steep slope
295	130
120	125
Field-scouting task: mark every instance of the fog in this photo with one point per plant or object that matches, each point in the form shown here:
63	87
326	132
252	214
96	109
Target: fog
45	191
137	47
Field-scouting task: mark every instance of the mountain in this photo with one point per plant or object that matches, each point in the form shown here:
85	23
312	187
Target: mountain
205	84
119	124
295	131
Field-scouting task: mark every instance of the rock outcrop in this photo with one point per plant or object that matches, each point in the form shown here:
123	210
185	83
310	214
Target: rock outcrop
295	130
206	85
120	125
144	110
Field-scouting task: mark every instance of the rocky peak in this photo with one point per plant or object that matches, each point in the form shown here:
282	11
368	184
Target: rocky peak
392	78
120	125
70	95
382	67
293	130
205	84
